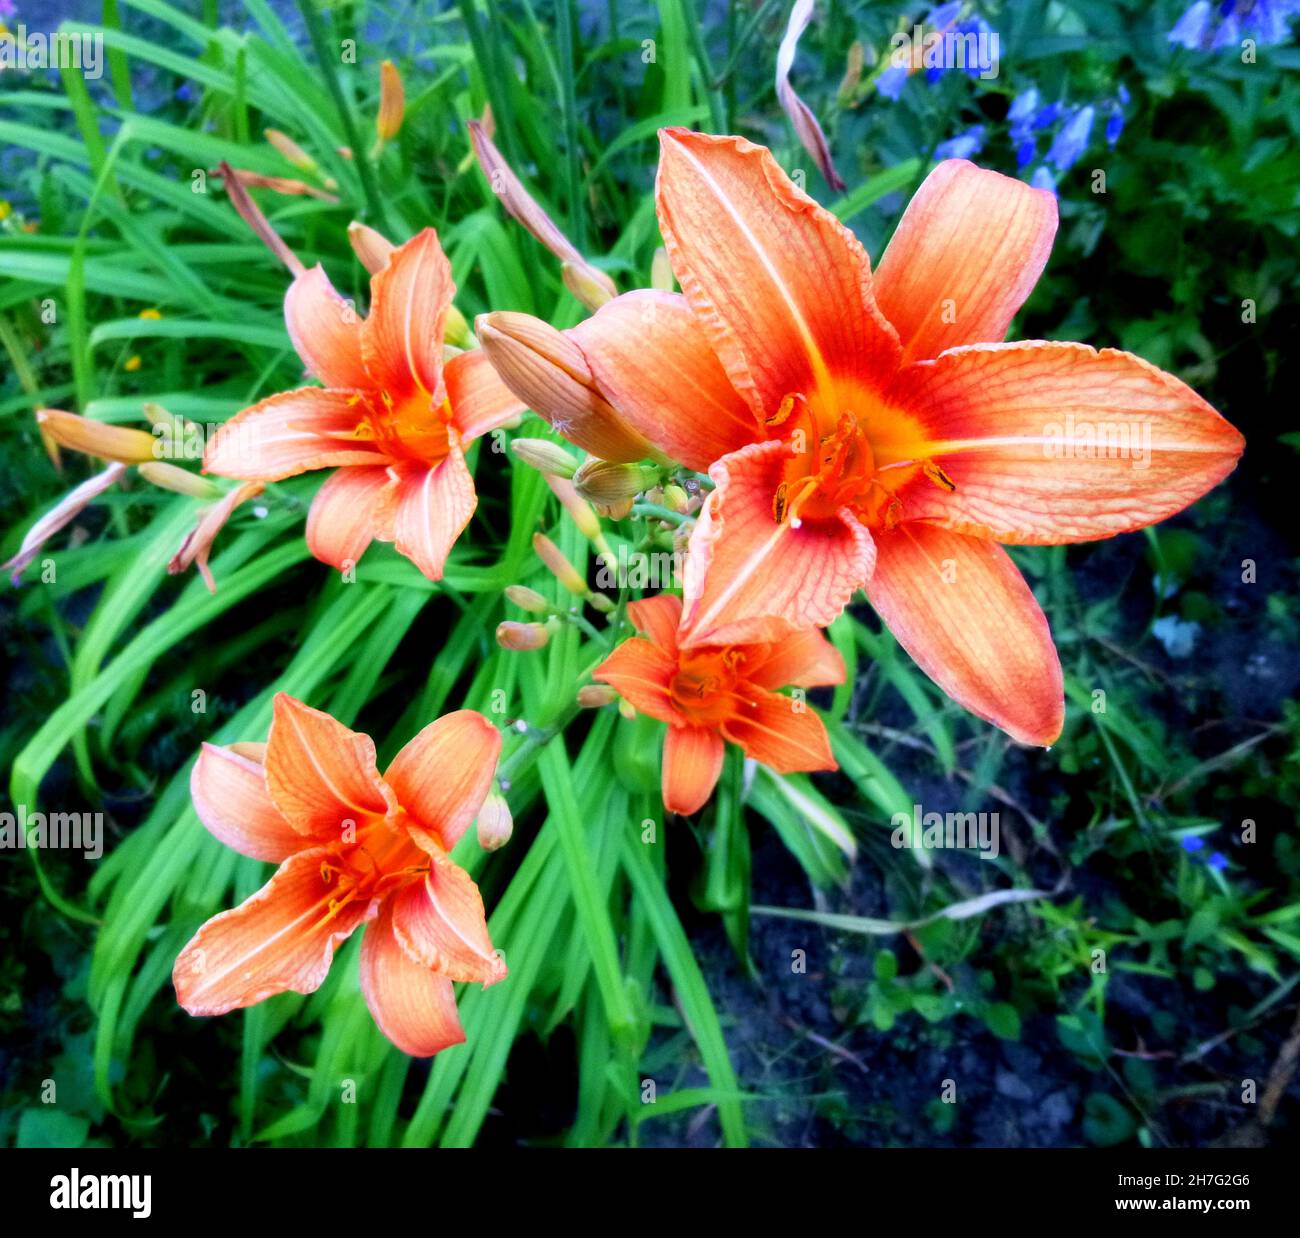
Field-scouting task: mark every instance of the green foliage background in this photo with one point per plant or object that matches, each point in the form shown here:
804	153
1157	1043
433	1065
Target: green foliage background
632	962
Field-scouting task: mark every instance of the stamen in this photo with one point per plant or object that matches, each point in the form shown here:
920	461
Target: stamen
938	476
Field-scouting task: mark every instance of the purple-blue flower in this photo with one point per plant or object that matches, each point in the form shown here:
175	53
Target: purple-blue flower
964	146
1043	179
1025	152
1190	29
1217	861
891	82
1204	26
1072	139
1193	843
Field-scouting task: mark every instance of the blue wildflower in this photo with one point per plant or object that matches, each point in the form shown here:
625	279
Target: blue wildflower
1043	179
1217	861
1191	28
1046	116
1114	126
964	146
1025	152
943	17
185	92
1022	109
1072	139
1193	843
891	82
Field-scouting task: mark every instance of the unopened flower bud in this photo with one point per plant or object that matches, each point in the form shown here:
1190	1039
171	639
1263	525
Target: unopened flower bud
178	480
559	566
372	248
675	498
589	285
528	599
548	372
96	438
392	102
596	695
544	456
495	824
606	483
661	271
522	637
290	150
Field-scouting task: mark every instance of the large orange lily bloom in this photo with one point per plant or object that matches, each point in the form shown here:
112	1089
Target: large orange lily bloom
354	848
391	417
709	694
873	430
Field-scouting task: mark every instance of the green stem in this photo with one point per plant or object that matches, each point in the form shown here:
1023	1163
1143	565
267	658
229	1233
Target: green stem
316	33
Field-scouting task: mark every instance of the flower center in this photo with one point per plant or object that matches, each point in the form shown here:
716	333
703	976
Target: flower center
704	687
407	429
383	858
835	466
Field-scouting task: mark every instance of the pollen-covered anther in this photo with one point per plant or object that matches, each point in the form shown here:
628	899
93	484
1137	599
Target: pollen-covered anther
938	476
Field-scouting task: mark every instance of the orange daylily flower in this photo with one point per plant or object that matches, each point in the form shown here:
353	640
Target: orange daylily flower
873	431
392	418
709	694
354	849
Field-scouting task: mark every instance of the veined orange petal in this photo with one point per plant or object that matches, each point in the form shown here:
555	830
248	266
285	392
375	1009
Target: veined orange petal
440	923
282	939
651	358
480	401
401	340
197	544
782	733
230	796
967	252
291	433
692	764
321	776
413	1006
640	673
804	659
325	330
442	776
1056	442
963	611
59	516
349	511
782	288
751	578
658	619
434	504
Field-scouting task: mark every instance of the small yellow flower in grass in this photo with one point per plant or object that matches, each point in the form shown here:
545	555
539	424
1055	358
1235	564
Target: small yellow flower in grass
151	314
5	210
132	363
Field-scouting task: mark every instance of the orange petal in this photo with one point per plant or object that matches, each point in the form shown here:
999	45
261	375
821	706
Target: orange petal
640	673
802	660
433	507
325	330
414	1007
692	763
401	340
781	287
282	939
230	795
651	358
443	775
784	734
750	578
967	252
962	609
291	433
440	923
348	512
658	618
1056	442
480	401
321	776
